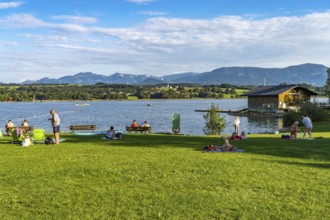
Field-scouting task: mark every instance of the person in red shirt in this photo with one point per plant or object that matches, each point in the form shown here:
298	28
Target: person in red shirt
134	124
235	136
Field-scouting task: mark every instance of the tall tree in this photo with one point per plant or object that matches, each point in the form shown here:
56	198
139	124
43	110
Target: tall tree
327	86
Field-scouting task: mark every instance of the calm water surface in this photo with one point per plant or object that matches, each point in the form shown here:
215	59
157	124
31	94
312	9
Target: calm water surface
121	113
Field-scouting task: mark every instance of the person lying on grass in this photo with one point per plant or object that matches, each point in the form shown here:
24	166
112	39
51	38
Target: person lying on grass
226	146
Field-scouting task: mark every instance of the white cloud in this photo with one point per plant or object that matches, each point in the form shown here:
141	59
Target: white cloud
153	13
5	5
21	21
141	1
75	19
9	43
162	45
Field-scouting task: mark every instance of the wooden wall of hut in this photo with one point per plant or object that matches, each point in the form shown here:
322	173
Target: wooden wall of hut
263	103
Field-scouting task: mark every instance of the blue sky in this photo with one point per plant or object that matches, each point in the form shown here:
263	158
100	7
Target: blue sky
158	37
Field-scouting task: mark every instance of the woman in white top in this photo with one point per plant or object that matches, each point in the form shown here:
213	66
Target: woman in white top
237	122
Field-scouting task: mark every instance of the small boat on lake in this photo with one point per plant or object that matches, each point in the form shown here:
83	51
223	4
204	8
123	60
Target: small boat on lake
81	104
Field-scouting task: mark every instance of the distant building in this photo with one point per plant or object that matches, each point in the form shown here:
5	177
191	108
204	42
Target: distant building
278	98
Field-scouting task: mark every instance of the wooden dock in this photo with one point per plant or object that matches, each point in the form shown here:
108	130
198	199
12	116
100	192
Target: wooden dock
245	113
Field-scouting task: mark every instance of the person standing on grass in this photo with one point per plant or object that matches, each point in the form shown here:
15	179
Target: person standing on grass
308	126
294	130
237	122
55	120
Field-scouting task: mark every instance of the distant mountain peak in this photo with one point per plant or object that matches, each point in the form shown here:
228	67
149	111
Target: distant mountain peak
309	73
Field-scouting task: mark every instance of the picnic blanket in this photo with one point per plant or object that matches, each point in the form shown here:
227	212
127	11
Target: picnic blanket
90	133
218	150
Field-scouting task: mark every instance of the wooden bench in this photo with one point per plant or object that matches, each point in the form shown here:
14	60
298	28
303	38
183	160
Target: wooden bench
25	128
82	127
140	129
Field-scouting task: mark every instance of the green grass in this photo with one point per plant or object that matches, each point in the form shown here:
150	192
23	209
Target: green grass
131	97
166	177
241	91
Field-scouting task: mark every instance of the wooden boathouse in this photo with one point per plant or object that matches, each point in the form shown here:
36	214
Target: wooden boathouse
277	98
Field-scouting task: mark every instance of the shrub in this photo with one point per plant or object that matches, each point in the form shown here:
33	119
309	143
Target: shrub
308	109
290	117
312	111
214	122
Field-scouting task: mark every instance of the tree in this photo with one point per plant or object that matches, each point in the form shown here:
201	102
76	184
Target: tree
214	122
327	85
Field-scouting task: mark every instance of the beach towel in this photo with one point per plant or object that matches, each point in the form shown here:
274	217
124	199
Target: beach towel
218	150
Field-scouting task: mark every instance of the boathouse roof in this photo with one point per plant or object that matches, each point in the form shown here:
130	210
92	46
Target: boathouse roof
275	90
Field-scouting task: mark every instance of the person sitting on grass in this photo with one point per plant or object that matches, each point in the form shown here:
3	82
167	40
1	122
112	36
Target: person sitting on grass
234	136
243	135
294	130
111	133
226	146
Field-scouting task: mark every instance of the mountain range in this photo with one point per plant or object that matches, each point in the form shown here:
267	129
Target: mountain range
313	74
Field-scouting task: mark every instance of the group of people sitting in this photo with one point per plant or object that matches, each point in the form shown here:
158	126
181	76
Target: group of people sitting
135	125
10	126
226	146
236	136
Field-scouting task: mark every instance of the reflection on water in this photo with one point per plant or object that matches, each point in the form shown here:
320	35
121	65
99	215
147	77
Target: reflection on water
121	114
264	124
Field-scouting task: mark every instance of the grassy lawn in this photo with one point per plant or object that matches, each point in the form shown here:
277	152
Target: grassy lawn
167	177
241	91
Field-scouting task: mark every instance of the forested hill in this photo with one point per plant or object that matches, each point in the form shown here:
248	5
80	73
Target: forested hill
313	74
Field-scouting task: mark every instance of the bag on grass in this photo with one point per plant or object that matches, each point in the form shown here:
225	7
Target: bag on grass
49	140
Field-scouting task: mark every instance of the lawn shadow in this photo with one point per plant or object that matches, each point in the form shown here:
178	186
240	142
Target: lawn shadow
301	149
296	163
272	146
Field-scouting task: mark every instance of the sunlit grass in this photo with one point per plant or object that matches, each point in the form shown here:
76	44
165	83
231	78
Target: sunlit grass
166	177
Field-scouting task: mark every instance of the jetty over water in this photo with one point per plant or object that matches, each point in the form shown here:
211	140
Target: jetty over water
245	113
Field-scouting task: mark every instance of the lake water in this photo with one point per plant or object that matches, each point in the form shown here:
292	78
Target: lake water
121	114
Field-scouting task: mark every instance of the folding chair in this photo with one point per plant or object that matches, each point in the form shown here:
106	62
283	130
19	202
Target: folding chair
39	135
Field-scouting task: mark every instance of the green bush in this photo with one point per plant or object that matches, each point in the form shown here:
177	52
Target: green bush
290	117
312	111
308	109
214	122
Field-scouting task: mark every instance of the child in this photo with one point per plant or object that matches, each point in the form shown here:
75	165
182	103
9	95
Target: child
294	130
243	135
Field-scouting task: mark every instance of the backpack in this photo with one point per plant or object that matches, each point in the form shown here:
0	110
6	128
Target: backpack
49	140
